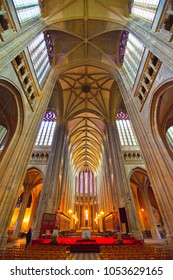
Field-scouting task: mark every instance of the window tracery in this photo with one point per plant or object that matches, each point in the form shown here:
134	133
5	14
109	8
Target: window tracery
46	131
85	183
132	57
126	134
40	57
3	137
27	9
169	135
145	9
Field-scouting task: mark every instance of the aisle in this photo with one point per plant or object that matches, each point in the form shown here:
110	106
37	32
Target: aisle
84	256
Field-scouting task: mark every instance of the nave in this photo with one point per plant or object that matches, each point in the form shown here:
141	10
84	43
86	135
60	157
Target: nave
86	127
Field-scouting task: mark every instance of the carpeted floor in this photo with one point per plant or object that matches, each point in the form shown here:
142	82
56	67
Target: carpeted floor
84	256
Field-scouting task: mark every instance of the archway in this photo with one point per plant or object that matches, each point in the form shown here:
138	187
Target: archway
9	114
27	203
162	117
146	206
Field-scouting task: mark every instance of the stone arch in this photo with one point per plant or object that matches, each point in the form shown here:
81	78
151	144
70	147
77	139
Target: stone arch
11	116
162	117
146	205
23	216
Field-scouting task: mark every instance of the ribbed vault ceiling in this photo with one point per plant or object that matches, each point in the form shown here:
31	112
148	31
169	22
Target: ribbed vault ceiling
86	93
86	36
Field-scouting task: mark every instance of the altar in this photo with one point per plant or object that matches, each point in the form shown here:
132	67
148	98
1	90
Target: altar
86	233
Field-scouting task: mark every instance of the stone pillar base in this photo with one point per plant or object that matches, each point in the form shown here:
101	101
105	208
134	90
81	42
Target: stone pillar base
35	234
14	237
3	240
169	239
156	236
137	234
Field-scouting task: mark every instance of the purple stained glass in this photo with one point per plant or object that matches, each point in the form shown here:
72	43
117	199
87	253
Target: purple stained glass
130	5
50	116
122	116
86	181
81	182
49	45
77	183
122	47
91	182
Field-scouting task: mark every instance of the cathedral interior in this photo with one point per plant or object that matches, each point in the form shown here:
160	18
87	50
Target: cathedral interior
86	123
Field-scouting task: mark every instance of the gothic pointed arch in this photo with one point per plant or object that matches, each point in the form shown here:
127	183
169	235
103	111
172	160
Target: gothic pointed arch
162	118
11	117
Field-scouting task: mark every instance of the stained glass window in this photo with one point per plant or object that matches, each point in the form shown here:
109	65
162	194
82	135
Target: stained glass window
86	182
77	183
145	9
46	132
125	131
122	47
81	182
91	181
39	56
27	9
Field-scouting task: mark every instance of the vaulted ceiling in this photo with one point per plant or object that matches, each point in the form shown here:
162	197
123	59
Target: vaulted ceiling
86	36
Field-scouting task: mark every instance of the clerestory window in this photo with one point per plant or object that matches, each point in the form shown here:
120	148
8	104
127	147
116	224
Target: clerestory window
27	9
145	9
46	131
40	57
3	137
132	57
169	135
125	130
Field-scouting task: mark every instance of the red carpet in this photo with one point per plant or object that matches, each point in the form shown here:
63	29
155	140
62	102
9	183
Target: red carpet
92	241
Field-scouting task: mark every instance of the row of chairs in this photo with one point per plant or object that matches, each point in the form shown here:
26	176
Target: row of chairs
143	252
47	252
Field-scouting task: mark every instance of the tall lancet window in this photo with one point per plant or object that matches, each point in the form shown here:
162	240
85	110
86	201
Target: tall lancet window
46	131
40	56
125	131
130	55
3	136
81	181
86	182
169	135
27	9
145	9
91	180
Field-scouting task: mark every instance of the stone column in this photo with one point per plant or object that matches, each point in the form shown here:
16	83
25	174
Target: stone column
55	186
159	166
108	173
50	185
27	193
152	222
17	163
33	212
64	176
122	188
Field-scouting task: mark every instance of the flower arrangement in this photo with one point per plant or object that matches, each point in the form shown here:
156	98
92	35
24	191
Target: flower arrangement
120	239
86	237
